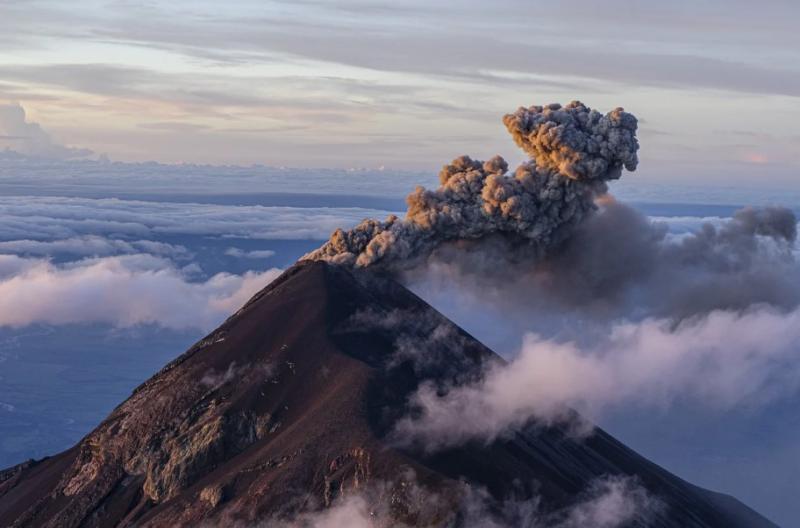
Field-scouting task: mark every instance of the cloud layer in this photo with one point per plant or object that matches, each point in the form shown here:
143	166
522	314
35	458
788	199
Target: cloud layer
49	218
119	291
92	245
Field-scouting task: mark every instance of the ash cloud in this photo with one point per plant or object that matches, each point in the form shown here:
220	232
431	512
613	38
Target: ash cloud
622	315
574	151
599	306
621	265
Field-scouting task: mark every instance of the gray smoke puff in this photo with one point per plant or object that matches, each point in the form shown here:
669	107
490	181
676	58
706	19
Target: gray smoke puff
575	151
773	222
621	265
576	141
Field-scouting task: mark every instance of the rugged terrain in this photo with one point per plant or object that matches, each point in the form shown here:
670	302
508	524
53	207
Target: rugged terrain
289	406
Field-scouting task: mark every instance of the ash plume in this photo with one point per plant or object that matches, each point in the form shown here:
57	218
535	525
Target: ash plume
623	315
574	151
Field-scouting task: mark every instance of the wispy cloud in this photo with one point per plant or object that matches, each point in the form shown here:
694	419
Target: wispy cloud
722	360
92	245
256	254
608	502
321	85
47	219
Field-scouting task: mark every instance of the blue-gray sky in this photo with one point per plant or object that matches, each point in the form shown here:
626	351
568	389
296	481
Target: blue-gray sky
403	85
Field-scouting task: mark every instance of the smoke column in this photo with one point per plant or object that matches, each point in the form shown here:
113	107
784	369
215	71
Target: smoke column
573	151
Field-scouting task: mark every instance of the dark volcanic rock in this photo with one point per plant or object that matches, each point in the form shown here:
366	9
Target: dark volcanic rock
287	406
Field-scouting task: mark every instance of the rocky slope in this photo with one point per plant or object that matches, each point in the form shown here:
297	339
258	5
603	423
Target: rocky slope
289	406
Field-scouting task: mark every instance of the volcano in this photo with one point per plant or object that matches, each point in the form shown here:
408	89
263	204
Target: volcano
289	406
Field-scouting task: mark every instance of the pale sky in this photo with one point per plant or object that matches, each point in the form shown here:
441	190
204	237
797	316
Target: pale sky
409	85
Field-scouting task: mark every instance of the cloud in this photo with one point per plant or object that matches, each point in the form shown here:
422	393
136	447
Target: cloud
49	218
628	315
121	291
351	74
722	360
30	138
353	512
92	245
618	265
622	315
11	265
184	181
318	32
257	254
608	502
325	39
611	502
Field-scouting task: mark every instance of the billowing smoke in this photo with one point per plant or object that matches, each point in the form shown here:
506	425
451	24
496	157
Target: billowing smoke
623	315
574	151
594	305
621	265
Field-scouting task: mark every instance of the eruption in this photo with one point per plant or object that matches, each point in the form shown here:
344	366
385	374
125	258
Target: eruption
574	151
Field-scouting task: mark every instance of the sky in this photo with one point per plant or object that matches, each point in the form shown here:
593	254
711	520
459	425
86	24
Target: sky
404	86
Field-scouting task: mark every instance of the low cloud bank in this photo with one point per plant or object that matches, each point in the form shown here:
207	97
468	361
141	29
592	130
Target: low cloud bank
121	291
92	245
49	218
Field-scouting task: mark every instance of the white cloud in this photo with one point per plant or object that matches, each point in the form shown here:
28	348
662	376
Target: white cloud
19	134
87	175
121	291
608	502
256	254
91	245
11	265
724	359
611	502
48	218
687	224
353	512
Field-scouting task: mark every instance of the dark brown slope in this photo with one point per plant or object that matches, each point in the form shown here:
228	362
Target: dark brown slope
287	405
